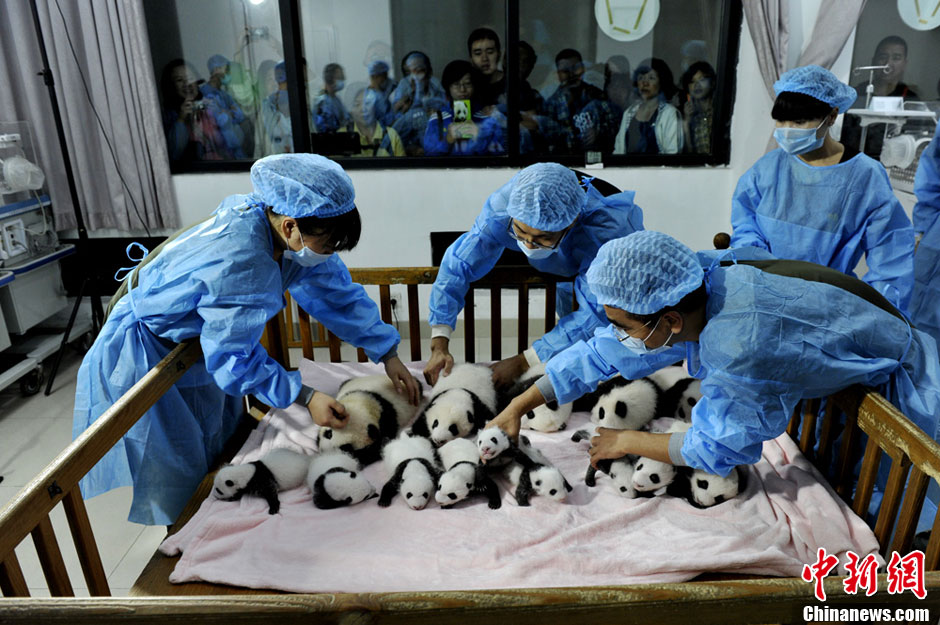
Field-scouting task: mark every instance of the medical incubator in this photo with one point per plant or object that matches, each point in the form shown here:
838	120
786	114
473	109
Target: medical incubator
31	289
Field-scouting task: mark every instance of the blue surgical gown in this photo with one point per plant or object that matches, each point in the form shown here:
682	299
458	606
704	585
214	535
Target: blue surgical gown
925	303
474	253
829	216
770	341
217	281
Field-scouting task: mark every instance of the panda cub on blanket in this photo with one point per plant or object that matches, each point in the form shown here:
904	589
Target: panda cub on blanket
550	416
536	477
279	469
464	475
680	392
335	479
458	405
652	475
414	467
377	412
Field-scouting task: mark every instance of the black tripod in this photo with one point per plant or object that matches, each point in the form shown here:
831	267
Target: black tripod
91	277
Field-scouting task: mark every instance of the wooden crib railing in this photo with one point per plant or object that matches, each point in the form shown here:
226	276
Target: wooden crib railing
280	331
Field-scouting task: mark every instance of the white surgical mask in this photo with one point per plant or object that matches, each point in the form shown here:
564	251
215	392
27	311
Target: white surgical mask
537	253
799	140
638	346
306	257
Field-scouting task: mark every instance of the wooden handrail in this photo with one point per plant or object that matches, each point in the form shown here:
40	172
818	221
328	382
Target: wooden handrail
34	502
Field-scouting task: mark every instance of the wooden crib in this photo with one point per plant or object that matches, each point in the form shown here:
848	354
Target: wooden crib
708	599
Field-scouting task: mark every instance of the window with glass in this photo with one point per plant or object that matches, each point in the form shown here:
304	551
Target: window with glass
894	63
422	82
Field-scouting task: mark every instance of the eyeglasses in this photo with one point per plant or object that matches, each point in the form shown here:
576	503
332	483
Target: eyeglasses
511	229
622	335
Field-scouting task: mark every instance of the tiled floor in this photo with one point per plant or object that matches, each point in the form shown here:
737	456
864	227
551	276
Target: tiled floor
33	430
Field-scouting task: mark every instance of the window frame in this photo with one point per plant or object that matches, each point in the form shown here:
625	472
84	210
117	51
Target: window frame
731	22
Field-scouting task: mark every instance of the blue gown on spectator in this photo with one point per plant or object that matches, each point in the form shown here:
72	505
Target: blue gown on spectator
228	116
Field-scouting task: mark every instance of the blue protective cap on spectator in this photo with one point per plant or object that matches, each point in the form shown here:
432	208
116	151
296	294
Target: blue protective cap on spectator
303	185
546	196
216	61
280	72
819	83
644	272
377	66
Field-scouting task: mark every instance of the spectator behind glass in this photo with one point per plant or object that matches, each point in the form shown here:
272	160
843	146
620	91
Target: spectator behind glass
530	103
242	86
329	113
233	124
447	135
374	137
191	130
414	100
651	125
275	115
698	83
890	51
379	89
484	50
560	124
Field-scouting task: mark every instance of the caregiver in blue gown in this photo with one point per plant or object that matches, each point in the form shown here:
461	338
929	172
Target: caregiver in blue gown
816	200
925	303
221	281
758	338
559	224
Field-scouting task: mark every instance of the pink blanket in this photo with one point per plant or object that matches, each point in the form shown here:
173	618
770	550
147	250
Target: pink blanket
595	538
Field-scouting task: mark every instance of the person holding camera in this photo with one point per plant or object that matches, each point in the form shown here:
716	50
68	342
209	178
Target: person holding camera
192	132
460	129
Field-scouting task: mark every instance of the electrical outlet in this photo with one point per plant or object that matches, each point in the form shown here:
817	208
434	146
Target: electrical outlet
397	297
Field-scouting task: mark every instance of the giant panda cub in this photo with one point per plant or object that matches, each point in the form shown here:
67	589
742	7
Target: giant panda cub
680	392
708	489
414	467
279	469
335	479
550	416
656	476
377	412
464	475
497	450
624	404
458	405
536	477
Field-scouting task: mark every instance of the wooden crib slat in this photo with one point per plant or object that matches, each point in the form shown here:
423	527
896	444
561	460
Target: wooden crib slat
866	479
306	336
932	559
793	427
910	511
361	355
496	325
85	545
469	331
844	465
276	340
808	434
334	348
523	338
414	322
826	438
894	490
53	566
549	306
12	581
385	302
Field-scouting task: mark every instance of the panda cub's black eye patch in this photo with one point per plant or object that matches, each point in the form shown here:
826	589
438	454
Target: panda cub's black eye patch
703	484
691	401
229	483
327	434
654	478
494	440
453	429
408	496
469	485
434	425
639	467
538	482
